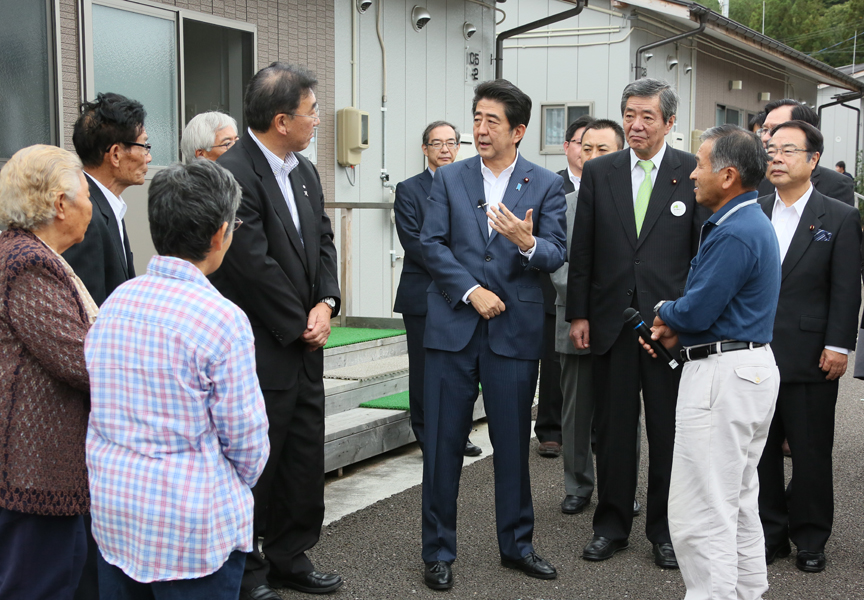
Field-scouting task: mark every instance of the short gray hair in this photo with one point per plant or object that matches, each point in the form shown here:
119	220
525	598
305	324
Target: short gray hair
31	182
435	125
738	148
200	133
651	88
187	205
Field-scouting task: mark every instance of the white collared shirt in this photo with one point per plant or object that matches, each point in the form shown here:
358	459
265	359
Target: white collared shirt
431	172
785	220
494	189
576	181
118	207
281	170
637	173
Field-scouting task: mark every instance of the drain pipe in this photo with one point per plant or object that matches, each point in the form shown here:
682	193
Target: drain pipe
674	38
841	99
499	41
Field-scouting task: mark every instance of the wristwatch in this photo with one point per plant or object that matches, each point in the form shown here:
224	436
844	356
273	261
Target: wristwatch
657	307
330	302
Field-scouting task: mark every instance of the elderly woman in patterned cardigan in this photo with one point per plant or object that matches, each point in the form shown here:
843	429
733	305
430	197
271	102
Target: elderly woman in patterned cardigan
45	313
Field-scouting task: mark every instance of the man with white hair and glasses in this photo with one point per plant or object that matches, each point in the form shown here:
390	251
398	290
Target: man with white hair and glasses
208	135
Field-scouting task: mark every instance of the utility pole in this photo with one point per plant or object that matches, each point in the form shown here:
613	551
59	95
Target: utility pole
763	17
854	48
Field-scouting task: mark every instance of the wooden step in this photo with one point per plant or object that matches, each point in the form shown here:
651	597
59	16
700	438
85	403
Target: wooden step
346	394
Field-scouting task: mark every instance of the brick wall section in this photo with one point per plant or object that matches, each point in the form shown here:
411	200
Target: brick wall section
296	31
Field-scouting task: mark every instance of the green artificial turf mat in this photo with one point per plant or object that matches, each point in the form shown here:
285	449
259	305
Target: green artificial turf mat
345	336
393	402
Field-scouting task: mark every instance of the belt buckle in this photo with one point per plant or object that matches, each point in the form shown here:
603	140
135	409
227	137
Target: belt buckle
719	351
687	353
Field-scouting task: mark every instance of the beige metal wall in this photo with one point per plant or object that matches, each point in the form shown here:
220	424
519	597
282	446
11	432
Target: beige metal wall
296	31
718	66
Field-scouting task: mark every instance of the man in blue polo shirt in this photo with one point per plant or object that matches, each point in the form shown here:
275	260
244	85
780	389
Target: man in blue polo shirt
730	380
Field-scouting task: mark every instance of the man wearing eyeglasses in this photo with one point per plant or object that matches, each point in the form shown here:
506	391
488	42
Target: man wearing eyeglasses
208	135
281	270
440	146
111	141
826	181
815	327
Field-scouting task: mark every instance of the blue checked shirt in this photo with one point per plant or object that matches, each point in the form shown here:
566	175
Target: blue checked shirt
178	428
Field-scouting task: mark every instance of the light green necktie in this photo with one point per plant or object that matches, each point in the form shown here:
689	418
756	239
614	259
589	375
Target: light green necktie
644	195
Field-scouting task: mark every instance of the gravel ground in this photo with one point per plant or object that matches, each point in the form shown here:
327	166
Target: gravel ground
377	549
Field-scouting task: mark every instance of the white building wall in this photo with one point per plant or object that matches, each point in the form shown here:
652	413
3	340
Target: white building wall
838	126
426	81
586	65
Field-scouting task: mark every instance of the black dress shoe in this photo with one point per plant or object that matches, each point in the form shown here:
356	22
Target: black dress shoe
600	548
549	449
472	450
314	582
637	508
572	505
810	562
438	576
532	565
779	551
262	592
664	556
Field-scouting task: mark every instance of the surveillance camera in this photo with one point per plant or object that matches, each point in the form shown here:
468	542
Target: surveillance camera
419	17
468	30
363	5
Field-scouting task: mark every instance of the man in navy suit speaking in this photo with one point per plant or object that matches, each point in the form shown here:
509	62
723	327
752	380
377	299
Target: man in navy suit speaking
493	223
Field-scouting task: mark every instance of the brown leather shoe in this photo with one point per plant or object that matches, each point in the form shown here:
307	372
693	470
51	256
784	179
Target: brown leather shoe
549	449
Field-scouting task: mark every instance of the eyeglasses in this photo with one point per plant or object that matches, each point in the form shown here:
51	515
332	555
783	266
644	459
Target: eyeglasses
145	146
226	145
438	144
575	141
237	224
314	116
762	131
787	151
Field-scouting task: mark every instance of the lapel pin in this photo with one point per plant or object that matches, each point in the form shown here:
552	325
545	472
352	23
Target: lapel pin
674	181
518	186
305	193
525	180
812	227
481	203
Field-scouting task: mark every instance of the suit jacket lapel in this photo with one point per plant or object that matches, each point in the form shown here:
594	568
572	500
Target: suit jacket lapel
306	216
670	170
513	196
473	181
803	236
98	198
274	192
426	182
621	188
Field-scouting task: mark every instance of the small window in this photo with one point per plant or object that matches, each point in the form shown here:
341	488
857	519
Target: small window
555	118
729	115
28	93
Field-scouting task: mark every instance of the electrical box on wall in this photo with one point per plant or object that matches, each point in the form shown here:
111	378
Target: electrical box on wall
352	135
676	140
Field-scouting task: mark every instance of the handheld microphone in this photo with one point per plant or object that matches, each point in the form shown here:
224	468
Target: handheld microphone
634	319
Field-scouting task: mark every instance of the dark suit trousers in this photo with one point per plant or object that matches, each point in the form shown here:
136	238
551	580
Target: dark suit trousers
451	390
804	512
550	400
289	496
415	327
40	556
618	376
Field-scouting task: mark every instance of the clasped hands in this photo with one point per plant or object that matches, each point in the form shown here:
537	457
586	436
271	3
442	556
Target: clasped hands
317	327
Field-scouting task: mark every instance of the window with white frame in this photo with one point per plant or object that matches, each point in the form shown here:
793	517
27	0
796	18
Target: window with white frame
555	118
177	63
29	86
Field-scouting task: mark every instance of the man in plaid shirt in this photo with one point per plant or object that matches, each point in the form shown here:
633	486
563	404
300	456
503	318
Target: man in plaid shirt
178	428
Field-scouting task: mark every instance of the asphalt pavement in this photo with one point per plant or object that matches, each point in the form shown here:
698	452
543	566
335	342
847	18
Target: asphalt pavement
376	549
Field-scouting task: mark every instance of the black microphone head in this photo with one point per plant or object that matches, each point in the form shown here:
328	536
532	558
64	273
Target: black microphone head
631	314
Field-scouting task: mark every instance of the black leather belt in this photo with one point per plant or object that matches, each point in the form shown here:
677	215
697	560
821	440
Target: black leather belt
706	350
